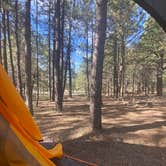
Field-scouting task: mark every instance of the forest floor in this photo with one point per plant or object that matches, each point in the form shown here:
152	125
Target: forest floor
134	131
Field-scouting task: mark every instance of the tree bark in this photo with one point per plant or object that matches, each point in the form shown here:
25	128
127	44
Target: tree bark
87	60
62	16
58	83
69	50
159	87
37	57
115	69
28	76
69	60
53	69
57	67
53	58
133	82
49	50
123	65
19	82
97	65
10	48
4	40
70	78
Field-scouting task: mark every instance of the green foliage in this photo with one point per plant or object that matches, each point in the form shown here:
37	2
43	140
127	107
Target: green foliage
80	82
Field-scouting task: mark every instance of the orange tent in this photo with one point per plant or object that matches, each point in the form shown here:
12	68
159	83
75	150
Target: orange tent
19	134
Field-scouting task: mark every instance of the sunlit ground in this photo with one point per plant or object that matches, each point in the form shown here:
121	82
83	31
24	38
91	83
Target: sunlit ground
136	127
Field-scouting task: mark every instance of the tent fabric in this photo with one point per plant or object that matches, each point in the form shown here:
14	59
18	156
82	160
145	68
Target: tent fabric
13	101
19	134
12	151
15	150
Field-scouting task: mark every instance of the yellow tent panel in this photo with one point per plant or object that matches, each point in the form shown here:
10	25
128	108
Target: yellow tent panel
11	98
19	132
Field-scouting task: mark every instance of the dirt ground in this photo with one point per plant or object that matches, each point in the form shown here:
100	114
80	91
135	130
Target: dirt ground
134	131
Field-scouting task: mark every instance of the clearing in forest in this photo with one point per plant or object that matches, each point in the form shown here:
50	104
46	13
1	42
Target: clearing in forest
133	133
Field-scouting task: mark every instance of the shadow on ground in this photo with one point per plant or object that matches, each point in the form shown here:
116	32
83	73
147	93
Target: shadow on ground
115	153
133	132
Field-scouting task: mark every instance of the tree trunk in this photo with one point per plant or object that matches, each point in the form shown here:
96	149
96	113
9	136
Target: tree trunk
152	87
37	57
123	65
53	59
53	70
115	69
97	65
139	88
87	60
69	50
65	73
108	87
70	73
4	40
119	71
133	82
19	82
28	77
159	87
49	50
10	48
62	67
57	69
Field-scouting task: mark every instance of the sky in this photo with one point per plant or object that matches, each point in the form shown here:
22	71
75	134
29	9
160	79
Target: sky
77	39
77	53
